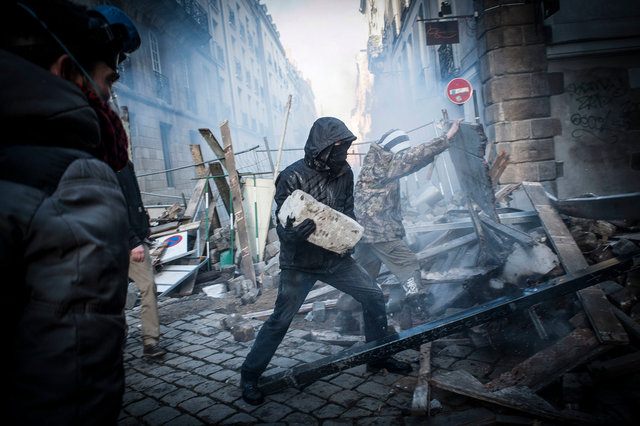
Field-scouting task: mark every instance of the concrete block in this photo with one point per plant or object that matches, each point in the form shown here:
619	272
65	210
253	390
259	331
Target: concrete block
243	332
318	312
335	231
545	127
215	290
221	238
271	250
259	267
269	281
232	320
250	296
273	266
506	131
518	109
530	261
528	150
537	171
272	236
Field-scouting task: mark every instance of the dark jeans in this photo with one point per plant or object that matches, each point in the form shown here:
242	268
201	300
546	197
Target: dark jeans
294	287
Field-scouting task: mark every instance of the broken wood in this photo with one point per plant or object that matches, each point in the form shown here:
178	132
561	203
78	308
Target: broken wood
607	327
498	166
175	228
442	248
335	338
308	373
246	260
202	172
506	190
511	233
551	363
625	364
516	397
422	392
306	307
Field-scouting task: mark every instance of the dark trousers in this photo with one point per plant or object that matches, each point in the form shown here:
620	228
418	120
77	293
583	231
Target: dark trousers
294	287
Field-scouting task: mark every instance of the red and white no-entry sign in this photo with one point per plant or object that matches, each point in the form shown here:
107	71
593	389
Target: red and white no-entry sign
459	91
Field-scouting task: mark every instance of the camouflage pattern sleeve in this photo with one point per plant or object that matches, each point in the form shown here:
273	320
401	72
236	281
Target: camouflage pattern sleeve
412	160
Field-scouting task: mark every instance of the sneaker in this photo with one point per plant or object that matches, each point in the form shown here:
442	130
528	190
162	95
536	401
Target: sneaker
153	351
392	365
250	392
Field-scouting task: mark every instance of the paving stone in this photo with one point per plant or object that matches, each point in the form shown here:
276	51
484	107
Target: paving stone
218	358
300	419
442	361
329	411
208	387
284	362
346	398
192	364
160	390
371	404
178	396
240	419
287	352
159	371
182	420
286	395
386	378
478	369
486	355
222	375
472	416
196	404
147	383
358	370
385	420
227	394
128	421
308	356
161	415
347	381
175	376
337	422
140	408
215	413
356	413
305	402
272	411
322	389
400	400
191	349
203	353
131	396
233	363
178	361
456	351
207	369
373	389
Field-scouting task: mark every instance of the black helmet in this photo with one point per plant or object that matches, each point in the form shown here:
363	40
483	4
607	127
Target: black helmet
114	32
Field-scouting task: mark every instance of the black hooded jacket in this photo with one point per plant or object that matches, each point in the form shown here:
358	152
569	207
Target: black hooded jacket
63	253
312	176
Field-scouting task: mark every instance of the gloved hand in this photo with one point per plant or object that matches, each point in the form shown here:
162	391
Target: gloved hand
299	232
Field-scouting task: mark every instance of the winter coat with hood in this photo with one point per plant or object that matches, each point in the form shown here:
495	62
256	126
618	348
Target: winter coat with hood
312	175
63	253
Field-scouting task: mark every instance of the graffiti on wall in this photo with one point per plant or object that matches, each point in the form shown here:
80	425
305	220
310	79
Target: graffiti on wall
600	105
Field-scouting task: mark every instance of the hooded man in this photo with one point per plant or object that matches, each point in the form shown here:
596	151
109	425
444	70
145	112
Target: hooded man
325	175
378	209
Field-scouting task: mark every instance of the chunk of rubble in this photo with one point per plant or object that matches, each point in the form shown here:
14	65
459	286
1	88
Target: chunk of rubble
215	290
243	332
529	261
335	231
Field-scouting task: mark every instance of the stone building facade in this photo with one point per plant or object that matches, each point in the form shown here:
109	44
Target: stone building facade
202	62
555	83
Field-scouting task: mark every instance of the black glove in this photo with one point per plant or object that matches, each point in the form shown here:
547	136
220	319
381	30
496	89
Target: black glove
300	232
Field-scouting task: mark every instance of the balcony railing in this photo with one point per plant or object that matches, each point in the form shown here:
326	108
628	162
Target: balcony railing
196	12
163	90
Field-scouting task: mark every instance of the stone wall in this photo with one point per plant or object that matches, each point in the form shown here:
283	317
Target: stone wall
517	87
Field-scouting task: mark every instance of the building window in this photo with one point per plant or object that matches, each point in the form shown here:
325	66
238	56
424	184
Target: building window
220	53
232	19
448	68
155	53
238	70
126	73
215	5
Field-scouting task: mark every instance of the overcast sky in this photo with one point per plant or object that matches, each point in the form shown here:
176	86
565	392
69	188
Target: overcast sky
324	37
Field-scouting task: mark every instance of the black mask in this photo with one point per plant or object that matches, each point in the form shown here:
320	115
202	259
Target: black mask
338	157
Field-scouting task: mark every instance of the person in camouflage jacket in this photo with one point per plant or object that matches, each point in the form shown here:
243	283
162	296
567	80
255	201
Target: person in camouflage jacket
378	210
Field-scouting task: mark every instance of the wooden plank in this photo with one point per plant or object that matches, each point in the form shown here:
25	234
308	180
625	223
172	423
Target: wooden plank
221	183
246	259
511	233
505	218
422	392
449	245
598	309
175	229
306	307
214	145
516	397
544	367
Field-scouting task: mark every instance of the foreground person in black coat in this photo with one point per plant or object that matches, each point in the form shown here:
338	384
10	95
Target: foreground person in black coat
63	218
325	175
